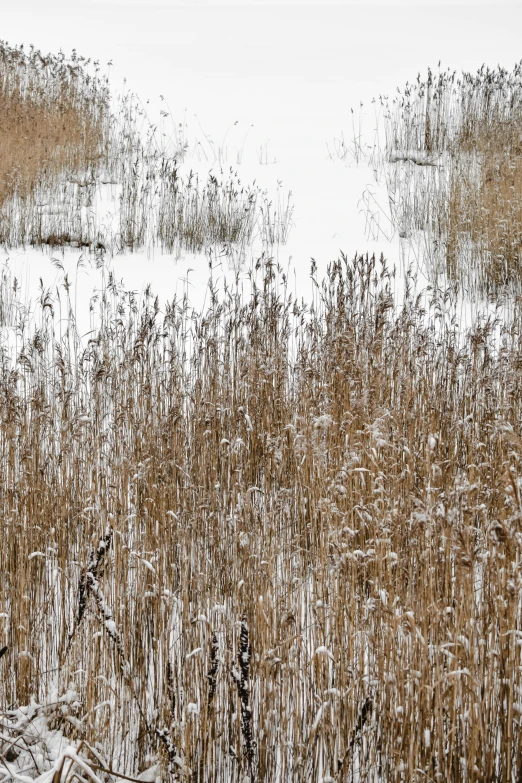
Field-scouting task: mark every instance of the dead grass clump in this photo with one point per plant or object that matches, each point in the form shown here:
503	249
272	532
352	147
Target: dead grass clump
162	205
313	563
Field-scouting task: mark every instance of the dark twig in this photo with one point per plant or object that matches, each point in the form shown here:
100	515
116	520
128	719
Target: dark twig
241	678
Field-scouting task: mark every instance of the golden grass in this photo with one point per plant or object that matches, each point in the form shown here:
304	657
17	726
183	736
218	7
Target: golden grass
266	541
312	558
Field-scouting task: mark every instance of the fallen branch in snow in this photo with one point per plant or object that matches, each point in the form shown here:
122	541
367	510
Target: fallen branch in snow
70	753
29	745
364	714
116	774
91	573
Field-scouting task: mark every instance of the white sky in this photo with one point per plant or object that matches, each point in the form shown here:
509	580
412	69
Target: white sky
290	70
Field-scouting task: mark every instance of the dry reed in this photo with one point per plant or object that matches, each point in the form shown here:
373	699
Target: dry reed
266	541
453	173
307	527
66	143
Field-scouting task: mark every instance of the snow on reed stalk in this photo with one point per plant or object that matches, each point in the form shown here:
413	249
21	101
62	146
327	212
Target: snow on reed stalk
331	492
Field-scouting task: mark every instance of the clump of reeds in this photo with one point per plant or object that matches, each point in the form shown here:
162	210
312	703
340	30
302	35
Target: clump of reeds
66	143
160	204
331	491
452	147
53	124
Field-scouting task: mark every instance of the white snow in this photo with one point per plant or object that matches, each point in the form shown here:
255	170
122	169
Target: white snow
150	775
324	651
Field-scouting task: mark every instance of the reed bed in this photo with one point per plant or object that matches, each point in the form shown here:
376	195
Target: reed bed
451	153
83	169
265	541
53	121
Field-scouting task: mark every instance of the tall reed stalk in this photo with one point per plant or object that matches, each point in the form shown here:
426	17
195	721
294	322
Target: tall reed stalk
452	166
